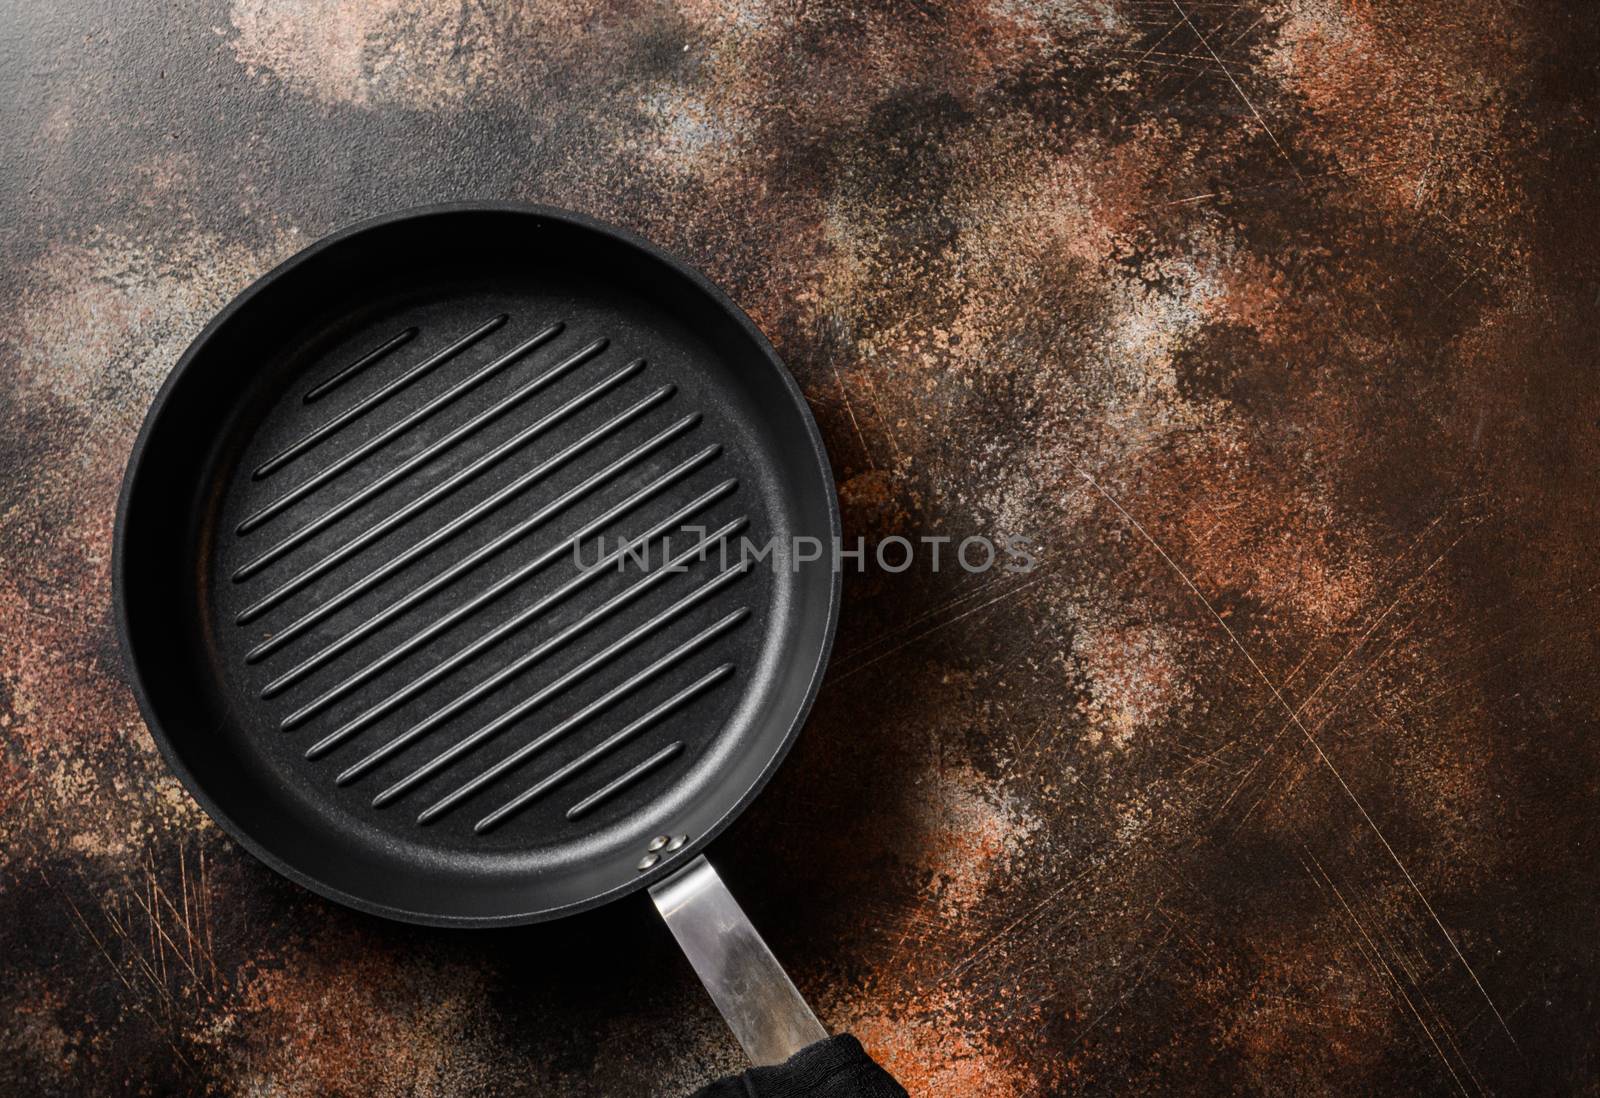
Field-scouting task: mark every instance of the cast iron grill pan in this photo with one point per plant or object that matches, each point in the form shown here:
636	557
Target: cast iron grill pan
429	564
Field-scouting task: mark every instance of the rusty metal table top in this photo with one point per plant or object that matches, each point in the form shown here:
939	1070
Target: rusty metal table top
1273	324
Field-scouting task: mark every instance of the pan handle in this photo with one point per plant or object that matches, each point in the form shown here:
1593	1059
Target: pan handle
759	1001
756	997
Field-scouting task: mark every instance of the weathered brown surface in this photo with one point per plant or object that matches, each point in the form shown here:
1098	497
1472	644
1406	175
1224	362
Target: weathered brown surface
1274	324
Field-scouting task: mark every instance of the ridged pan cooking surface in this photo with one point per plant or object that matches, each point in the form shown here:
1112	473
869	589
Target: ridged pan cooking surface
434	570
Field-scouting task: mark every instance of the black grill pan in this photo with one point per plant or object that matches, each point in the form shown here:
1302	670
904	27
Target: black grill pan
356	581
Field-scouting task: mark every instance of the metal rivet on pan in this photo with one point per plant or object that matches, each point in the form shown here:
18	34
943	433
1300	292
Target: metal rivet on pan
657	843
677	843
647	861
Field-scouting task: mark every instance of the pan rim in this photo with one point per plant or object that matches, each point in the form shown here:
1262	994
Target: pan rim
194	353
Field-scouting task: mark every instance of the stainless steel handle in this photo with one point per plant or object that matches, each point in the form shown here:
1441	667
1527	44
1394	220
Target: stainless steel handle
754	994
